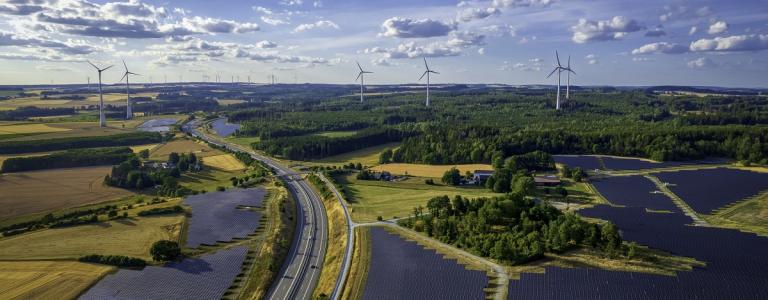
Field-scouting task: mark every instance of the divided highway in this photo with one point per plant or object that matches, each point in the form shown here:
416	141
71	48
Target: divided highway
301	269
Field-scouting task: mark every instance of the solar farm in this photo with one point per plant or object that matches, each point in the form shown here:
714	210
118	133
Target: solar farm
710	189
401	269
223	128
207	277
223	216
633	191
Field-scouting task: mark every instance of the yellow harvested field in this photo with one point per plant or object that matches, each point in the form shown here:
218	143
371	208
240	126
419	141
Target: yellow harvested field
225	162
29	128
48	279
428	170
129	237
230	101
49	190
77	129
184	146
137	149
754	169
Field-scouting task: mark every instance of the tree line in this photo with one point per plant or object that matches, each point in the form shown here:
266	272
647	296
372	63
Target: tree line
315	147
123	139
25	112
68	159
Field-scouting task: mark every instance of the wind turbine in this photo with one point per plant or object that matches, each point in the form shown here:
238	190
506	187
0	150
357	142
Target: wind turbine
102	119
128	111
361	76
559	69
568	86
427	74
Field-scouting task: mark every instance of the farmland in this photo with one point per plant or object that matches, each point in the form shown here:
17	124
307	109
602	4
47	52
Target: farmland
710	189
434	171
223	219
129	237
207	277
47	279
367	156
29	128
370	199
401	269
44	191
225	162
183	146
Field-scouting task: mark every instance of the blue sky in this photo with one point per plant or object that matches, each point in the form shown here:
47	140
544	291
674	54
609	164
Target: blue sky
651	42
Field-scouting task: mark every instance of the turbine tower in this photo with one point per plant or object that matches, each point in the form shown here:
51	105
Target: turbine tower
559	69
426	73
128	111
568	85
361	76
102	119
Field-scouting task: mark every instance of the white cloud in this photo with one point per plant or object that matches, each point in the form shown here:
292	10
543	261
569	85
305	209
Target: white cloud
316	25
679	12
465	39
750	42
660	47
500	30
382	62
65	47
534	64
475	13
656	32
409	28
413	50
614	29
317	4
481	51
693	30
592	59
520	3
701	62
718	27
266	44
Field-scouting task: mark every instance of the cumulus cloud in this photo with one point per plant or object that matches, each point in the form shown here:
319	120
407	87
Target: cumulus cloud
656	32
317	25
532	65
679	12
693	30
592	59
520	3
19	9
481	51
701	62
500	30
465	39
660	47
409	28
69	47
718	27
475	13
614	29
413	50
382	62
266	44
750	42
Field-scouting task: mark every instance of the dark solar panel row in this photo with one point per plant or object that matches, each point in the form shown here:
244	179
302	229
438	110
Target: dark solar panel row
207	277
402	269
217	216
634	191
709	189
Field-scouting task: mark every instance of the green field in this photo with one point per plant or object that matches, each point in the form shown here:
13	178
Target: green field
336	134
750	215
367	156
370	199
208	179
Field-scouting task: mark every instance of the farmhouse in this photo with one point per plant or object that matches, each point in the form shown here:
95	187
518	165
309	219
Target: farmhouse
481	176
546	180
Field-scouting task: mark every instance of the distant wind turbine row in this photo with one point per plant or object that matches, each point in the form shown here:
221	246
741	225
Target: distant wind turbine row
102	119
560	69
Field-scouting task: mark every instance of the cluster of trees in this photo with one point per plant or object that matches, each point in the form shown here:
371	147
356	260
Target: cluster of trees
512	173
316	147
576	173
131	174
165	250
23	113
114	260
67	159
61	220
471	144
510	228
176	209
124	139
452	177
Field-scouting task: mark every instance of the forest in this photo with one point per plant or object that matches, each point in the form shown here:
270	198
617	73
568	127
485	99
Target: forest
68	159
123	139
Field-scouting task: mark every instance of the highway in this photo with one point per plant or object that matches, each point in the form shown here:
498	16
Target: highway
301	269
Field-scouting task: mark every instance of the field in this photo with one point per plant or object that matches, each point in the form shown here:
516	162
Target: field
229	101
401	269
44	191
434	171
750	215
370	199
29	128
129	237
183	146
336	134
208	179
115	99
73	129
225	162
367	156
207	277
48	279
137	149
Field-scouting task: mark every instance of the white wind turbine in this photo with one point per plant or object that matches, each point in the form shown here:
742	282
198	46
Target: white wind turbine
102	119
568	85
426	73
128	111
361	76
559	69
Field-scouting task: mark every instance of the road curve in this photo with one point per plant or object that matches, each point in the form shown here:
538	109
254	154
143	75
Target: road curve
301	269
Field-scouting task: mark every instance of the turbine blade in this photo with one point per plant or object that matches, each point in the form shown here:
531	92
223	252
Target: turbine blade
124	65
358	76
558	58
358	66
430	71
124	75
134	74
107	68
553	72
425	63
569	62
569	70
89	62
422	75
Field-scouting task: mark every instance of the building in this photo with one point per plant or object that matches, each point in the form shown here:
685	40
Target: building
480	176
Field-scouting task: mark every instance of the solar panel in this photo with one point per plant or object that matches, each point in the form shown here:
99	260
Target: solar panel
219	216
634	191
709	189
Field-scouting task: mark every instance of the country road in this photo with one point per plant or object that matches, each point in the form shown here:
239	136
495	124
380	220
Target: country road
301	269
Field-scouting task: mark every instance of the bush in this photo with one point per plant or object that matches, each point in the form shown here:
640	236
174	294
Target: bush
114	260
161	211
165	250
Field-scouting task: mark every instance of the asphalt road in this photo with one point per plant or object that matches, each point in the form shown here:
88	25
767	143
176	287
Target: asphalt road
301	269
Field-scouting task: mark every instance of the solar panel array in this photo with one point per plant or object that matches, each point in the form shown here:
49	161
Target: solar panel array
735	263
157	125
207	277
223	128
709	189
402	269
587	163
628	163
217	216
634	191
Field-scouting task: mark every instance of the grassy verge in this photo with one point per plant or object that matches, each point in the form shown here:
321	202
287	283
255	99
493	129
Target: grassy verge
750	215
361	263
337	237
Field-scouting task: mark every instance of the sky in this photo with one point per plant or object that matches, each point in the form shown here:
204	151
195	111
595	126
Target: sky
609	42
